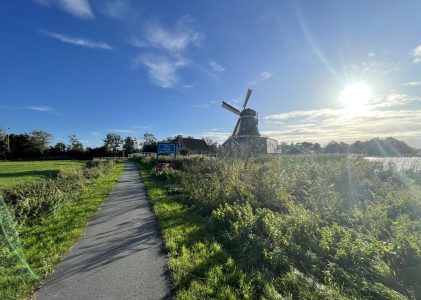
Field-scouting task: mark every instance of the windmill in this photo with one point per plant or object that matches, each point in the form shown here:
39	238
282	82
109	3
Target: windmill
247	122
246	136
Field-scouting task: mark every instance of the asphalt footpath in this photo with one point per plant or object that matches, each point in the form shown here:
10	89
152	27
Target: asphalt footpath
121	254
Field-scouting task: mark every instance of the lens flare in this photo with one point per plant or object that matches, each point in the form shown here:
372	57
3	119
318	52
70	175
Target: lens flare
355	97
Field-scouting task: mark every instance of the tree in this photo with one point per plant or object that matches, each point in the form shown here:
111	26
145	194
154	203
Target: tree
74	144
149	142
60	147
129	145
112	142
3	143
40	140
213	145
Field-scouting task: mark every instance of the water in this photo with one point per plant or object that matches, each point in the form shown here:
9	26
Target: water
401	163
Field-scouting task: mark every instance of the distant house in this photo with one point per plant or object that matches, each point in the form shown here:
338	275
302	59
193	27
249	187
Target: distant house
191	146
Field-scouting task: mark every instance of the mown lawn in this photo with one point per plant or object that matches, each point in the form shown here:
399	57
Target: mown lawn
28	258
17	172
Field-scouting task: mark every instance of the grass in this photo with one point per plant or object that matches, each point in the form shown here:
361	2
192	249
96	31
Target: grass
17	172
200	267
46	241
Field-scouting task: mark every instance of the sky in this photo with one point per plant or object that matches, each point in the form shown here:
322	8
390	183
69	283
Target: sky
319	70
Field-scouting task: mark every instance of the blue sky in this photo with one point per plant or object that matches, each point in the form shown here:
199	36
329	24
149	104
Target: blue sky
89	67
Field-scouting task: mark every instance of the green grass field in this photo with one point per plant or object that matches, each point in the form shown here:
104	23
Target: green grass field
17	172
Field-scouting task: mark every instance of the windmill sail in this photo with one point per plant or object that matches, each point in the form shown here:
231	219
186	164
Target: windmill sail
247	98
230	108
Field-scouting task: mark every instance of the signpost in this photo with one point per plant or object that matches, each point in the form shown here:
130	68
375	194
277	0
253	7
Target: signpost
164	148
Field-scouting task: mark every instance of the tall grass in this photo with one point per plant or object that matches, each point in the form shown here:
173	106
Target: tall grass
311	226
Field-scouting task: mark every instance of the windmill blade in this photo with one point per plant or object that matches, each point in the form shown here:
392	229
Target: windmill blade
235	132
230	108
247	98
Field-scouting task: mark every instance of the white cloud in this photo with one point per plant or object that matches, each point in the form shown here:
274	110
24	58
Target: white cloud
412	83
216	67
77	8
324	125
168	56
416	54
77	41
116	9
216	134
40	108
122	131
265	75
162	70
174	40
371	54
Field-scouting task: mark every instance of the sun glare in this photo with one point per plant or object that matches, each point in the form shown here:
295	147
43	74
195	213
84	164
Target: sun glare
355	97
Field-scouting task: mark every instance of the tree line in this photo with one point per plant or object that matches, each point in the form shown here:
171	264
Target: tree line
374	147
37	145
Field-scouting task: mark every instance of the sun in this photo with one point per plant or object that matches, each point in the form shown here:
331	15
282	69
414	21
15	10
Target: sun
355	97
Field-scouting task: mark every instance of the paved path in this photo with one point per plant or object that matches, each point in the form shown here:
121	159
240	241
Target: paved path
120	256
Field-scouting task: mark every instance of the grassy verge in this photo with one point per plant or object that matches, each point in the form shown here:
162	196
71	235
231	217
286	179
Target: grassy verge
18	172
200	267
45	242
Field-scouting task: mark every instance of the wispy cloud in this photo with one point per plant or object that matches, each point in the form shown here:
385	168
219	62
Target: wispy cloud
174	40
263	76
77	8
40	108
416	54
162	70
122	130
169	47
266	75
116	9
216	67
412	83
76	40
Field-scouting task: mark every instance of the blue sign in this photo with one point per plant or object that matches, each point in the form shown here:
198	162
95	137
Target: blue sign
166	148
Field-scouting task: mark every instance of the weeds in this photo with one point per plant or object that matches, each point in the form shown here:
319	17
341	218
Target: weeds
309	227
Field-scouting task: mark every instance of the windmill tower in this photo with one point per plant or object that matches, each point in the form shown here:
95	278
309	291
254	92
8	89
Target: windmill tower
246	133
247	122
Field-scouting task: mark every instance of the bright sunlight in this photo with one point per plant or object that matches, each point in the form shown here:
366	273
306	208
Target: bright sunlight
355	97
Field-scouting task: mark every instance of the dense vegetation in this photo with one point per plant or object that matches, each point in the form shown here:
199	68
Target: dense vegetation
41	220
297	227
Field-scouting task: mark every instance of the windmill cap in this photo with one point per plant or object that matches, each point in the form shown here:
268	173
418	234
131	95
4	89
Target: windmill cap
248	112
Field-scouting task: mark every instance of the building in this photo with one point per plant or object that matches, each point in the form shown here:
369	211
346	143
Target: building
191	146
255	144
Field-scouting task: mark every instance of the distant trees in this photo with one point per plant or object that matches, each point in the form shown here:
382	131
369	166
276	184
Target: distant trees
74	144
374	147
149	142
112	142
40	140
129	145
